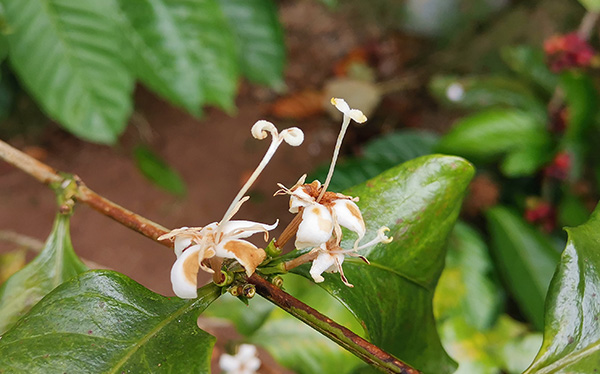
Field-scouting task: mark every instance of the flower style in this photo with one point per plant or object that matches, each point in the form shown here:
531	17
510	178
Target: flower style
324	214
244	361
197	246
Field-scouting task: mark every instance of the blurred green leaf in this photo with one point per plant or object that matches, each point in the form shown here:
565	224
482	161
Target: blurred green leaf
486	92
572	331
158	171
467	302
571	210
378	155
526	161
104	322
246	318
10	263
591	5
530	64
298	347
54	265
71	56
525	258
260	43
495	132
419	201
184	50
582	103
466	287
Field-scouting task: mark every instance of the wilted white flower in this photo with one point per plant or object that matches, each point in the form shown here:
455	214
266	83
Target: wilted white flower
244	361
223	239
324	213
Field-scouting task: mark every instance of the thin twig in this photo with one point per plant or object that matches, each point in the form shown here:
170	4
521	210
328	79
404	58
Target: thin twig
364	350
368	352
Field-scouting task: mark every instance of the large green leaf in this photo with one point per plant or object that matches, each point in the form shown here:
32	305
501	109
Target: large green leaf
184	50
495	132
54	265
526	259
70	56
392	298
582	102
572	332
104	322
260	41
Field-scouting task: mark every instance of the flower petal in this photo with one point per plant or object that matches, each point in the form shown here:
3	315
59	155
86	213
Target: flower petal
229	363
300	199
240	229
357	115
348	215
246	352
247	254
181	243
316	227
325	262
341	105
184	273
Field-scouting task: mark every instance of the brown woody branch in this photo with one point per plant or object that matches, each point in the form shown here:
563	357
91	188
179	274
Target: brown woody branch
360	347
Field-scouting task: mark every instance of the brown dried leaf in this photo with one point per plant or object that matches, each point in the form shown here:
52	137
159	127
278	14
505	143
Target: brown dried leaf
299	105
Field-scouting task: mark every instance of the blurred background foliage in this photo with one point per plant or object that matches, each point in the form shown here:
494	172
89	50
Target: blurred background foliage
516	83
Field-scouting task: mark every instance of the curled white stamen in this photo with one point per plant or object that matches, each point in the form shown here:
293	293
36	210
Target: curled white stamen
380	238
260	130
354	114
293	136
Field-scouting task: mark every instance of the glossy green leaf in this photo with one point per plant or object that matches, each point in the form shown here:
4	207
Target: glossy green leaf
419	201
54	265
71	56
525	258
466	287
378	155
492	133
184	50
530	64
104	322
259	35
591	5
486	92
572	331
298	347
158	171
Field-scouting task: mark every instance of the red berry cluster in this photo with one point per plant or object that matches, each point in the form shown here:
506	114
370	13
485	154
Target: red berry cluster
567	51
540	212
559	167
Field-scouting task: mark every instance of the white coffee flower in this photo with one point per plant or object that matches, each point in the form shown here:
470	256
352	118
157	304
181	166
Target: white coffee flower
223	239
244	361
324	213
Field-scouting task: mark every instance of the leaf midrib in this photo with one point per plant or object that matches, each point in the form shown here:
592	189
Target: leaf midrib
570	358
359	262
